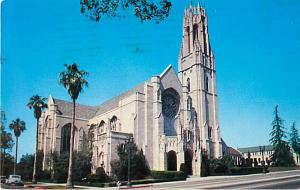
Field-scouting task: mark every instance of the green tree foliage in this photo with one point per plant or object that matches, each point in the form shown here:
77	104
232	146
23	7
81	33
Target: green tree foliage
17	126
38	104
249	160
282	155
73	81
25	167
138	164
294	139
8	167
82	166
99	177
143	9
6	142
204	163
221	165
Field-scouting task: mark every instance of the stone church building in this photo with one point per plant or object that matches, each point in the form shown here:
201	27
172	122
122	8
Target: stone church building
171	116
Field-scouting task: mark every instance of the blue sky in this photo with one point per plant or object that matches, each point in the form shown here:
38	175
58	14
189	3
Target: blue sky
256	45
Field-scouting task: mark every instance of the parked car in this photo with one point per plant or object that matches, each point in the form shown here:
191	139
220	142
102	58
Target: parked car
3	179
14	180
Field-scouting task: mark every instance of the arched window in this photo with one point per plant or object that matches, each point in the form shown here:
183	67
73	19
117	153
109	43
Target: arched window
195	32
188	83
113	123
209	132
101	159
206	80
101	127
81	136
189	103
188	38
65	137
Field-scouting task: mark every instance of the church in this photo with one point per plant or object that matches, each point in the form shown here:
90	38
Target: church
172	116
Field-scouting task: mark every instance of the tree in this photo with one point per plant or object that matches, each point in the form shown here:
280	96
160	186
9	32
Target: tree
6	142
82	166
26	164
294	139
18	126
142	9
37	103
249	160
74	81
138	164
281	152
8	167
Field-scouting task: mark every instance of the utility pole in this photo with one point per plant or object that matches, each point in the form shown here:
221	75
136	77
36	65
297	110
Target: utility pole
262	150
129	143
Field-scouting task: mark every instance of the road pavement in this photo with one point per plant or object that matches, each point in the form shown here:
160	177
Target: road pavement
276	180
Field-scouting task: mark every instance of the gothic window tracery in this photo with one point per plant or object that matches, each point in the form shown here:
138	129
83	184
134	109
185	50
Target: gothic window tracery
170	107
65	137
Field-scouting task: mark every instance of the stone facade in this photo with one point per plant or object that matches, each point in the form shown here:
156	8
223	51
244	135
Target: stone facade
171	116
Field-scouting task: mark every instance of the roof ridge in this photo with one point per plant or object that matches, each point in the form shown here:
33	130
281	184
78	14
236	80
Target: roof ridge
69	102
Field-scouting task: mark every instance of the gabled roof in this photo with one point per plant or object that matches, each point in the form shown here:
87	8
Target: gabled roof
114	102
233	151
88	112
255	149
82	111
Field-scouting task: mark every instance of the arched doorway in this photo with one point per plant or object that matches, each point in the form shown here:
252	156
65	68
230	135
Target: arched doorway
188	158
171	161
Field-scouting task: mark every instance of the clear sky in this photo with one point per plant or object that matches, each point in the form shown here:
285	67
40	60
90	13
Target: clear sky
256	45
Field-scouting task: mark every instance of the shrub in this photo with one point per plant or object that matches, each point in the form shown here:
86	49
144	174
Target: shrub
183	168
99	177
245	170
138	164
220	165
205	163
167	174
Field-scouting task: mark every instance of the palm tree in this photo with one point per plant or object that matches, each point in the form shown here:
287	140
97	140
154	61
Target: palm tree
73	80
18	126
37	103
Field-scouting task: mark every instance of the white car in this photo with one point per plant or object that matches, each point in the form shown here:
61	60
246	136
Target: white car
14	180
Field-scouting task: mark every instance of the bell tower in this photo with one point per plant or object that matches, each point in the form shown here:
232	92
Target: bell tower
197	73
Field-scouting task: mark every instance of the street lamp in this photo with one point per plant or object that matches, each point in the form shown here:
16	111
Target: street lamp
262	150
129	142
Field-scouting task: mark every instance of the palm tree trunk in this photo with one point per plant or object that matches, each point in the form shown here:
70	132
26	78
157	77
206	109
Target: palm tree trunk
34	177
70	171
16	158
2	166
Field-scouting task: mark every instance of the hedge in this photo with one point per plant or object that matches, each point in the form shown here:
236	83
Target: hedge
245	170
167	174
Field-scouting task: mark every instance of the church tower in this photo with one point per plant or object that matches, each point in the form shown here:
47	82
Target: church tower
197	73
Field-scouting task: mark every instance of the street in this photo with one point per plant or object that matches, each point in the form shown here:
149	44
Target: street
277	180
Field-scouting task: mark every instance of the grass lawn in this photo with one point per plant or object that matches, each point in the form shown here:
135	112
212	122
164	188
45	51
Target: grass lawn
277	169
45	186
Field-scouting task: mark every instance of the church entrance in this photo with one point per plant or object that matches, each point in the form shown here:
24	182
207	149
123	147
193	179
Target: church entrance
171	161
188	158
